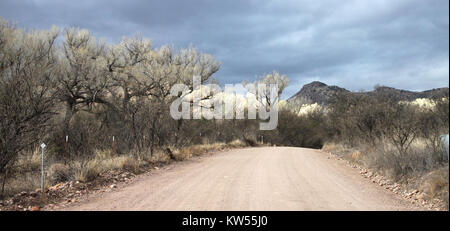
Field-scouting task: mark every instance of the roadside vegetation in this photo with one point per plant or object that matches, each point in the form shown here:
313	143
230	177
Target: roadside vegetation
98	106
399	140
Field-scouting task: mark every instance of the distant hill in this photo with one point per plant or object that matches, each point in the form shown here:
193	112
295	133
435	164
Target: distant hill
318	92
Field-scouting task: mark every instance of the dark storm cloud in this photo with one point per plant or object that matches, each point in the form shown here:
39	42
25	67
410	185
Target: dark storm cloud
353	44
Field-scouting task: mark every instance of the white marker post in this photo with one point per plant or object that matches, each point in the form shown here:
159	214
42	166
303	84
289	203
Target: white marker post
66	146
112	145
42	168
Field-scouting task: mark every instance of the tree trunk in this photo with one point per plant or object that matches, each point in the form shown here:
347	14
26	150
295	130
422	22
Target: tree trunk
5	176
68	116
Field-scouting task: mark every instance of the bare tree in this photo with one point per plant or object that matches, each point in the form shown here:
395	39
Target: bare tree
143	75
83	75
27	61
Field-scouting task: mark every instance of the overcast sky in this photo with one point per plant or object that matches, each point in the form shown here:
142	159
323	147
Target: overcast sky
352	44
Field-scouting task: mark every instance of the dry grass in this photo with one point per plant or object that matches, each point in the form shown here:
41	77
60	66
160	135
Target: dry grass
26	176
195	150
103	161
28	162
435	184
348	153
419	169
418	160
23	182
333	147
158	157
59	173
87	171
130	164
385	158
356	157
236	144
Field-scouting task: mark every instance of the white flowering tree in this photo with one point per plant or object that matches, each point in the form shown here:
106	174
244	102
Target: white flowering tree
264	97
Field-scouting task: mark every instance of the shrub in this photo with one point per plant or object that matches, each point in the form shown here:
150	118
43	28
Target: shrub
299	131
251	142
130	164
59	173
236	144
86	171
436	184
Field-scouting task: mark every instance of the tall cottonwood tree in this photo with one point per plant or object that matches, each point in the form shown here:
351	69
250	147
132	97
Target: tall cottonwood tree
143	74
84	76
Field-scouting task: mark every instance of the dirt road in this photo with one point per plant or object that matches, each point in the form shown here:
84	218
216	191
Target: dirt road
269	178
